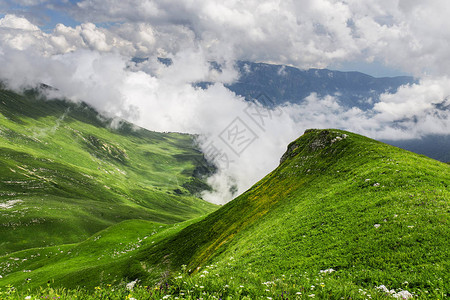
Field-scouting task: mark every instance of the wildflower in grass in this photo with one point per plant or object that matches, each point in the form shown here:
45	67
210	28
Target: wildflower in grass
131	284
403	295
376	225
312	295
28	297
298	293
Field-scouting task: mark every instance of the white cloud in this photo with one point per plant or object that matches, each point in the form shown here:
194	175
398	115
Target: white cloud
14	22
302	33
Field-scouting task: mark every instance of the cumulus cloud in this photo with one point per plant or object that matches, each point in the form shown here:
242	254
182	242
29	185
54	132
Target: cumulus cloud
13	22
301	33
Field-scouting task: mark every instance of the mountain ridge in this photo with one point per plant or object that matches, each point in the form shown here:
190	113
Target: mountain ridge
284	84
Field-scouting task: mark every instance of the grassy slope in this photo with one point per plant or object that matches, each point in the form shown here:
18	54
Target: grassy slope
108	256
75	176
318	210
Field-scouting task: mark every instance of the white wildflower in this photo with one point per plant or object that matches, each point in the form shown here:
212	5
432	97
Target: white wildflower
399	295
377	225
131	284
403	295
327	271
312	295
382	288
28	297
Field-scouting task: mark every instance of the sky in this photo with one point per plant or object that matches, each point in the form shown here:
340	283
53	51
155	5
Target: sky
84	49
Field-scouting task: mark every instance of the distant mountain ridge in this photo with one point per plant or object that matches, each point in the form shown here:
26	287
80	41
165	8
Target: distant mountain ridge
288	84
280	84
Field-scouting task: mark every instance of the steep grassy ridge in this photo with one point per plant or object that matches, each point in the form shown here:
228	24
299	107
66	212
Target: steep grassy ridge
374	213
65	174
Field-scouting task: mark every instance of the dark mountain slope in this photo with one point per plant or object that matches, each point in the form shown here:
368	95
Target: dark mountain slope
278	84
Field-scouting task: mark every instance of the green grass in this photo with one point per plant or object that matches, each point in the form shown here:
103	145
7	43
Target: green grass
320	210
108	256
375	214
74	175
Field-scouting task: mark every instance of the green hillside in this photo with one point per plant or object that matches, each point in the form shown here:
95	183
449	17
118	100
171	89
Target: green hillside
66	174
341	216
